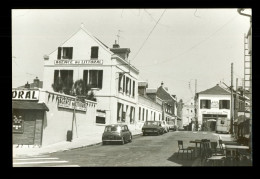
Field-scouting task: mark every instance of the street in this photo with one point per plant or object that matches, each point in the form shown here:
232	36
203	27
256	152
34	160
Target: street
142	151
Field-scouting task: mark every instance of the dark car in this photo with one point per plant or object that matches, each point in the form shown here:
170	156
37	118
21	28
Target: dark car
152	127
116	133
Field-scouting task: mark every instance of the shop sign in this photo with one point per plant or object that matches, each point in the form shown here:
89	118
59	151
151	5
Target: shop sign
17	124
64	102
25	94
214	104
77	62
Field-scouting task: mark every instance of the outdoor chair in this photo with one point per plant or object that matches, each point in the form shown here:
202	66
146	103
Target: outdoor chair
215	150
205	150
187	149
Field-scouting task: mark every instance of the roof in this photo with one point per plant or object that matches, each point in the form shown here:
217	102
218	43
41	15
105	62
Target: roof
29	105
216	90
163	94
142	83
151	90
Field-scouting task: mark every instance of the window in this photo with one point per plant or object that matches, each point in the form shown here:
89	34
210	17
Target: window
94	52
123	83
120	113
154	116
205	104
143	114
139	113
133	88
94	78
146	114
127	85
65	52
63	81
120	85
132	114
130	85
224	104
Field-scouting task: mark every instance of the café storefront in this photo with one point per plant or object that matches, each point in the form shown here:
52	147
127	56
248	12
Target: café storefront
27	117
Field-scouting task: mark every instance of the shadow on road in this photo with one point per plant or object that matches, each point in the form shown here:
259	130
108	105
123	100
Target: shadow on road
182	159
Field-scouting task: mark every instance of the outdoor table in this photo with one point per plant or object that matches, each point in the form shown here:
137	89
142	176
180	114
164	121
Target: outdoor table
230	143
196	148
234	149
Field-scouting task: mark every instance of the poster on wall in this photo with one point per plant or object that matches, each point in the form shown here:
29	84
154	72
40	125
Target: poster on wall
17	124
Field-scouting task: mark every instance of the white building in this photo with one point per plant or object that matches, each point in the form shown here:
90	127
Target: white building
106	70
213	103
188	112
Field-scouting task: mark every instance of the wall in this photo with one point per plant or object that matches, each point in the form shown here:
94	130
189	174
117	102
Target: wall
212	110
58	121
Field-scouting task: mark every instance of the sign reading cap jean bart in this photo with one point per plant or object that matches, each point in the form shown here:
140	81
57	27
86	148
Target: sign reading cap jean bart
25	94
77	62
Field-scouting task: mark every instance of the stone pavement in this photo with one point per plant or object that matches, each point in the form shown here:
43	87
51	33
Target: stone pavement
89	140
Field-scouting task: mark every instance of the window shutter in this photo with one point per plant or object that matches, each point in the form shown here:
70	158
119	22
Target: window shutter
209	104
70	52
220	104
200	104
100	78
59	52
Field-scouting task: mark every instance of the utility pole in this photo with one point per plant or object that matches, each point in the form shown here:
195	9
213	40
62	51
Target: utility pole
195	107
231	109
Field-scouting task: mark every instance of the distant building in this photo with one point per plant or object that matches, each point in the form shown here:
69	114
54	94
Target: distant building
36	84
188	113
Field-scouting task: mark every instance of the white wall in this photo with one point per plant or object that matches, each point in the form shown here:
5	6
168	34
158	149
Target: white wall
212	110
58	121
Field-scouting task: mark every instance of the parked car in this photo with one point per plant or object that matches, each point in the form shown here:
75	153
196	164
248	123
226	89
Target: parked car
116	133
165	126
172	126
152	127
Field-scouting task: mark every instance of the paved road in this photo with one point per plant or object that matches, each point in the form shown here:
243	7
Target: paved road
142	151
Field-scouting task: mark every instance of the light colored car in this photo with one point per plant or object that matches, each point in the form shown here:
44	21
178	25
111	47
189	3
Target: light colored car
172	126
165	126
116	133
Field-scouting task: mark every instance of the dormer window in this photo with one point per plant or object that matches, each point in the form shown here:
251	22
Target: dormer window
94	52
65	52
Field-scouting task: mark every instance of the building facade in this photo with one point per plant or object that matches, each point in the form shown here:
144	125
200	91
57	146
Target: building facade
106	71
212	104
188	113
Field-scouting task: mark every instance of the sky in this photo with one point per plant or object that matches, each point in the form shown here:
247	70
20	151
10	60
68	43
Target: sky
176	46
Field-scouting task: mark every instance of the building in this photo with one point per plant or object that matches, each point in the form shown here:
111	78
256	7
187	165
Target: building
36	84
105	71
180	106
149	109
188	113
212	103
168	102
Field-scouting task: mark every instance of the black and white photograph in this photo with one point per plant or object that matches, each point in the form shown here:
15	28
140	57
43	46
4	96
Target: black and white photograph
131	87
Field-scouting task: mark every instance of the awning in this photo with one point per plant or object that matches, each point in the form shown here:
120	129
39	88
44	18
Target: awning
29	105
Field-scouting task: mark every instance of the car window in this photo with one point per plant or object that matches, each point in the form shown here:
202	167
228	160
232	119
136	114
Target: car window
151	123
112	129
126	128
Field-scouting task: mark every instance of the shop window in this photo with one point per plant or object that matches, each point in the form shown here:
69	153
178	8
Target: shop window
17	124
93	78
65	52
224	104
205	104
94	52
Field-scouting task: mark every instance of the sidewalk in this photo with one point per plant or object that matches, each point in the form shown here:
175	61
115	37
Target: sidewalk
89	140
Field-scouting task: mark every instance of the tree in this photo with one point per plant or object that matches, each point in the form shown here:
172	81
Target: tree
80	88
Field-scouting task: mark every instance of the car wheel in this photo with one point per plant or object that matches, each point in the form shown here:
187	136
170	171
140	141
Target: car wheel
104	143
144	133
130	139
123	141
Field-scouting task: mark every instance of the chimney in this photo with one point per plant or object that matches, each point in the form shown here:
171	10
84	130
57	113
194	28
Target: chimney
116	45
122	52
36	82
162	83
27	85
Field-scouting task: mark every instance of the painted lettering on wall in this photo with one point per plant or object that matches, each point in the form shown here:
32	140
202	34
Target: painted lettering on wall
69	103
25	94
77	62
214	104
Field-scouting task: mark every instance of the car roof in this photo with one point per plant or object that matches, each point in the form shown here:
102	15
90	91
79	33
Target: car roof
113	125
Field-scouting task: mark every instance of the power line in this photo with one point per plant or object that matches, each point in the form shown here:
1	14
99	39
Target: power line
149	35
196	45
